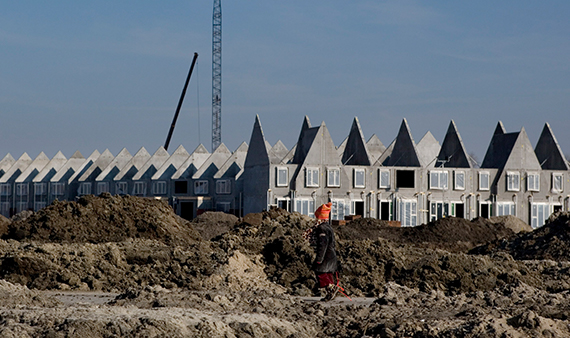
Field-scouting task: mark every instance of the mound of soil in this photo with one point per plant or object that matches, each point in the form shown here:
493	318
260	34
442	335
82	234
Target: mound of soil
212	224
4	222
551	241
104	219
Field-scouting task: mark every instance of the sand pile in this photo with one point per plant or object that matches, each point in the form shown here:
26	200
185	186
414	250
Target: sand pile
211	224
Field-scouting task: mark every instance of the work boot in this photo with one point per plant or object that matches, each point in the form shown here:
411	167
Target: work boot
331	293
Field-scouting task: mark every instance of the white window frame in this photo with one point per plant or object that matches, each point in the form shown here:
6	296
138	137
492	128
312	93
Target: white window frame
139	189
456	182
38	205
121	188
513	179
384	173
312	177
223	206
359	173
506	208
438	179
339	209
305	206
21	206
333	177
533	182
84	188
58	189
22	189
159	188
5	189
201	187
539	214
281	176
408	212
102	187
556	176
39	188
5	208
223	187
484	176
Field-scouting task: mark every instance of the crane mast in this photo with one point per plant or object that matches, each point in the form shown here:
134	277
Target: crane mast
217	75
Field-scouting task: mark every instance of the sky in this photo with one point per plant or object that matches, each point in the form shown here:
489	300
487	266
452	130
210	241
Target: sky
96	75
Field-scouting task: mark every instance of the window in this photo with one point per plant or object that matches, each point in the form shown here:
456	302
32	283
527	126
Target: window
22	189
506	208
5	190
484	180
438	179
121	188
557	182
201	187
459	180
408	213
159	188
223	187
57	189
333	177
21	206
540	213
532	182
84	188
102	187
405	179
359	178
384	179
305	207
223	206
39	189
5	208
282	177
513	181
339	209
181	187
139	189
39	205
312	177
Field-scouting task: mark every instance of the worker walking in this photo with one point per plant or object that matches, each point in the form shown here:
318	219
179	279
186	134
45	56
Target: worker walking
326	264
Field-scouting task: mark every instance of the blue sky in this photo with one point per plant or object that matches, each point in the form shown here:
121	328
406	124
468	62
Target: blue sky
78	75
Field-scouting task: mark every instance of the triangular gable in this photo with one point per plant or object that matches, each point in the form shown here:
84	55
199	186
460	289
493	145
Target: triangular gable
452	153
6	163
522	154
213	163
404	153
16	169
74	164
118	163
500	129
385	155
355	151
34	168
257	153
375	148
234	164
499	148
151	166
192	163
289	157
52	168
305	141
132	167
428	148
548	151
341	146
278	152
101	163
85	165
169	168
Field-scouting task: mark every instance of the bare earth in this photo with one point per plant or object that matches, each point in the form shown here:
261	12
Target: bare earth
123	266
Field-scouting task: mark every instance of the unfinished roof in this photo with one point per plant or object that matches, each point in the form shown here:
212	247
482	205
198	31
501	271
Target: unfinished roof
404	153
213	163
548	151
289	157
171	165
386	154
132	167
118	163
233	167
52	168
510	150
6	163
375	148
321	150
428	148
355	151
522	155
74	164
98	166
151	166
341	146
16	169
192	163
278	152
305	141
453	153
257	154
34	168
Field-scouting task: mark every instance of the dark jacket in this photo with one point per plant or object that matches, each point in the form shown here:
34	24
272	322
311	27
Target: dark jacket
326	260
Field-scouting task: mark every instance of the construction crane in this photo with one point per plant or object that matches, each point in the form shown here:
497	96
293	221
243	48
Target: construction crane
180	102
217	75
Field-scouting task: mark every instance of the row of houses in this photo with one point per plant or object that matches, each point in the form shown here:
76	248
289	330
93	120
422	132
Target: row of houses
409	182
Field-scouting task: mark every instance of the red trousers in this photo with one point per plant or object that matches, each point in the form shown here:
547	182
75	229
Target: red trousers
325	279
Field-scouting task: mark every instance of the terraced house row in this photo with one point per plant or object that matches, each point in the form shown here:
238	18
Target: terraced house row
406	182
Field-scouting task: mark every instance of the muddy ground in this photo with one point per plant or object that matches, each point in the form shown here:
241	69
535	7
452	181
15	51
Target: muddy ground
220	276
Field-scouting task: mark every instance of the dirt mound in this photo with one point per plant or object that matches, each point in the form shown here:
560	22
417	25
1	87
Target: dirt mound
4	222
14	295
551	241
104	219
212	224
